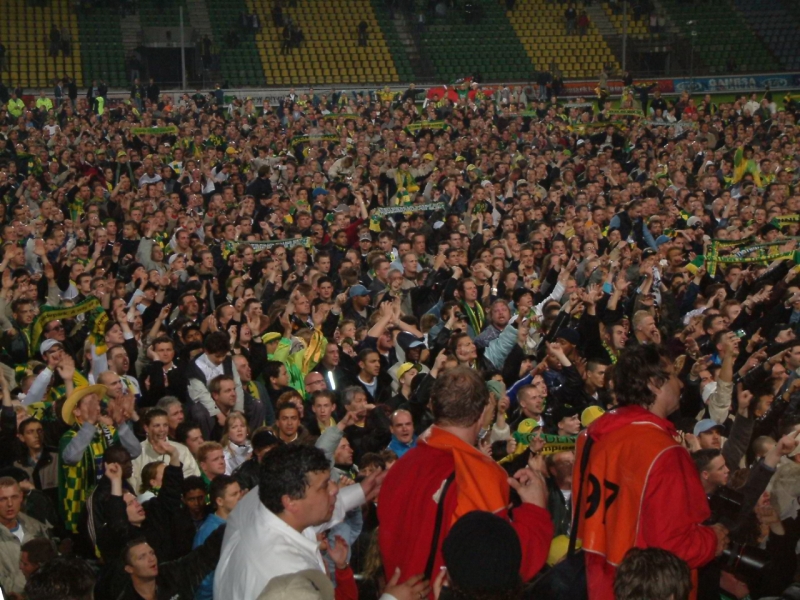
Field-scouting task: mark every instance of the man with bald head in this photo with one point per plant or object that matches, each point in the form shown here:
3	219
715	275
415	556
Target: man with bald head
402	428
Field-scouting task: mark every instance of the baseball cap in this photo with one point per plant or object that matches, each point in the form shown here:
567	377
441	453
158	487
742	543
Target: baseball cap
558	549
365	237
590	415
564	411
48	345
767	228
358	290
694	222
173	258
405	368
663	239
270	337
568	335
706	425
408	340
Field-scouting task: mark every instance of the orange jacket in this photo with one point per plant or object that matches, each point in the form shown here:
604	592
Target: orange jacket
642	490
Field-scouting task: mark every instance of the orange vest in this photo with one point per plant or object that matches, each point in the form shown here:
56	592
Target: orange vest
614	486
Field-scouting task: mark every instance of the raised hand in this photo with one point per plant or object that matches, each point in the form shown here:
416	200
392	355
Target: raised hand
66	367
414	588
531	486
338	552
114	471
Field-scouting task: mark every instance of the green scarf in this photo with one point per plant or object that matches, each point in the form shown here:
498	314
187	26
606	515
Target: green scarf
76	482
611	354
477	317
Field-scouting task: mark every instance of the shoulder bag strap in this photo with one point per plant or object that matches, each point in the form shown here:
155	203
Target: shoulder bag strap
576	517
437	528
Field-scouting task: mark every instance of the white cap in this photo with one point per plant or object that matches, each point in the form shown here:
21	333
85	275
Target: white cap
47	345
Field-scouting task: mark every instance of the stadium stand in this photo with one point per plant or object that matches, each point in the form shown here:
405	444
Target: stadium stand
24	32
402	63
240	65
541	27
329	52
103	53
486	47
723	39
637	28
161	13
778	29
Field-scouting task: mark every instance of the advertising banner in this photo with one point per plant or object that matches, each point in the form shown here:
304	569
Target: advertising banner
742	83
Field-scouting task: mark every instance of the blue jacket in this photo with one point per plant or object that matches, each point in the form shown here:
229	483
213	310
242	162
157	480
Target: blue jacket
206	589
400	448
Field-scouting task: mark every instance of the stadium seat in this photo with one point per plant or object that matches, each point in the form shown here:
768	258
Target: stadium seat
23	31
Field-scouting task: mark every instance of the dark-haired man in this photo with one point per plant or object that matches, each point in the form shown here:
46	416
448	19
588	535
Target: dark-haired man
224	494
213	362
175	579
72	577
274	529
39	462
659	502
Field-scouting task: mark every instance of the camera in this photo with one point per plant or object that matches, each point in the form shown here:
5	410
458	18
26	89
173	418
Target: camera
743	560
726	507
460	316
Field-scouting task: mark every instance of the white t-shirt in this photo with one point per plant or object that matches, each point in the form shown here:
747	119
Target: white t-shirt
18	531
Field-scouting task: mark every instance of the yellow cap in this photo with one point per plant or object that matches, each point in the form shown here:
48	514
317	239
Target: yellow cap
591	414
558	549
270	337
405	368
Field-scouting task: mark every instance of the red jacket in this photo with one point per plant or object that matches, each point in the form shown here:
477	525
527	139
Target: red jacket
673	504
407	515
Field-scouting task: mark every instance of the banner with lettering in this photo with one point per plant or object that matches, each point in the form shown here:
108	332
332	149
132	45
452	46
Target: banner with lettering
409	208
306	242
49	314
169	130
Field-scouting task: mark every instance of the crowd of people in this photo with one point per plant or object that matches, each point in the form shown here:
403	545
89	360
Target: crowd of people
486	348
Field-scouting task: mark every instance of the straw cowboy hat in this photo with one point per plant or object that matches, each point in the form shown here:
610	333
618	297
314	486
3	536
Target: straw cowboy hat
76	396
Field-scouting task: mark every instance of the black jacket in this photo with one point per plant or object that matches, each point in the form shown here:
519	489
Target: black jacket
175	386
261	187
179	579
165	527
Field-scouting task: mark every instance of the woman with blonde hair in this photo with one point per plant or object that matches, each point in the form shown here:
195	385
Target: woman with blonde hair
236	441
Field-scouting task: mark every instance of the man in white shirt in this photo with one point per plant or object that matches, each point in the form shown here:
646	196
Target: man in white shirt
273	530
156	425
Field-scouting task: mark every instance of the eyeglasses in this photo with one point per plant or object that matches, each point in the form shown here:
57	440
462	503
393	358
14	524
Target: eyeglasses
58	327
